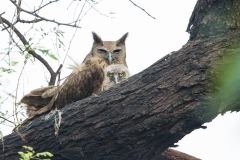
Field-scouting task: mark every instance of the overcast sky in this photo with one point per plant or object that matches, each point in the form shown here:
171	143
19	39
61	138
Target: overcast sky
149	40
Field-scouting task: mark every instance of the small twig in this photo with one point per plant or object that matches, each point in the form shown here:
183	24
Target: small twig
7	120
15	102
18	10
12	116
89	10
59	69
76	8
2	14
8	95
45	5
48	20
92	6
142	9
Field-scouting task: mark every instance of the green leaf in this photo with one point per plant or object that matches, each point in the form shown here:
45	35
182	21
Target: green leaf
53	56
28	148
8	70
30	154
44	51
49	154
60	42
22	155
22	53
13	63
2	114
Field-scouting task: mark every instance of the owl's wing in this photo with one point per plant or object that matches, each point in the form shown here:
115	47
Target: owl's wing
78	85
34	98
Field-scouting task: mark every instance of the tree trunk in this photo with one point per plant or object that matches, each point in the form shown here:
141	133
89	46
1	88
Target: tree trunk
143	116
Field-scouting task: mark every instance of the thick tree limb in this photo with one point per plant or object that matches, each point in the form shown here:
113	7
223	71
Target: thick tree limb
142	117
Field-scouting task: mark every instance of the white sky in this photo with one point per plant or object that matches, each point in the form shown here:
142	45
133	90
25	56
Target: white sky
148	41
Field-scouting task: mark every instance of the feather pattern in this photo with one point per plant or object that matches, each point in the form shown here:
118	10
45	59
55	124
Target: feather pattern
78	85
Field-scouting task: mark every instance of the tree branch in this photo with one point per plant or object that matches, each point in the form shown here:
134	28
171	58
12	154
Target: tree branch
25	43
31	21
142	9
45	5
92	6
7	120
45	19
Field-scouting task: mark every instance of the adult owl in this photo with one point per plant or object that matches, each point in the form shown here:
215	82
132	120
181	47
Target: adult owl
114	74
85	80
113	52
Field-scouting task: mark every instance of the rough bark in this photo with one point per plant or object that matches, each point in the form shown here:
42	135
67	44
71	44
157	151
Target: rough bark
142	117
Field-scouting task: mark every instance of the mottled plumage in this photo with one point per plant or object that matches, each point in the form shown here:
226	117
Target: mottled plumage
85	80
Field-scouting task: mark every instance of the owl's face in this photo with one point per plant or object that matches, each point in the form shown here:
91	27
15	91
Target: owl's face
114	52
114	74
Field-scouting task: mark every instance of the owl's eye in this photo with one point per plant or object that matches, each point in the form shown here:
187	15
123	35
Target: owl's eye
102	51
117	50
110	74
121	74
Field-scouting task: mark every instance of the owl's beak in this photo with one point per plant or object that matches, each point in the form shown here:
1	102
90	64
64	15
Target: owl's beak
116	79
109	58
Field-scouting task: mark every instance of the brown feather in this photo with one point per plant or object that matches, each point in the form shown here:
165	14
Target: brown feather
35	99
78	85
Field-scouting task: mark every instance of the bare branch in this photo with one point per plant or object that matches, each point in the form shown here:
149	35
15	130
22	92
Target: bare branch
92	6
48	20
6	120
11	116
45	5
19	10
53	77
31	21
142	9
15	102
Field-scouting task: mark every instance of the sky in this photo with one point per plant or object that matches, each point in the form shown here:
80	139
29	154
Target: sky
149	40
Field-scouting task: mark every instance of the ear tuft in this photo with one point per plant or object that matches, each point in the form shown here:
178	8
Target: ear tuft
96	38
122	39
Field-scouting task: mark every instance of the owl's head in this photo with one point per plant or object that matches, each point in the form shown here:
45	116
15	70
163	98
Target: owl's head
114	52
116	73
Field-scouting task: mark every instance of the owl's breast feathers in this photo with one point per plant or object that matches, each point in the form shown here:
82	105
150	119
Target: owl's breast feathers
85	80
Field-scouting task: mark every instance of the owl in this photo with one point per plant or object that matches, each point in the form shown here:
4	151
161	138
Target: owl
85	80
114	74
113	52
